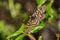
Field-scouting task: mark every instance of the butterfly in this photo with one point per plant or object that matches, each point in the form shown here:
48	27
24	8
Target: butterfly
34	20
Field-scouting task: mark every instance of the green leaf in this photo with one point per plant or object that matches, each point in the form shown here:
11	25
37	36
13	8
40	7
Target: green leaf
40	38
18	6
49	12
50	19
40	2
38	28
20	37
14	9
21	29
6	29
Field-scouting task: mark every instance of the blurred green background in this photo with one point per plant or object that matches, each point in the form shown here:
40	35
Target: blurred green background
15	13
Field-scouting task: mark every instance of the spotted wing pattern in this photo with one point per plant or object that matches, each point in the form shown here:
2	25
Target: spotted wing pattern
36	18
